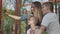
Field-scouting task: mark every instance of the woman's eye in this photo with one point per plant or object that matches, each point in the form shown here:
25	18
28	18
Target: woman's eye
32	7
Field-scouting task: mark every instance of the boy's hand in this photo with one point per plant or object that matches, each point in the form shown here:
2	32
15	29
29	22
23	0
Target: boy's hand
38	33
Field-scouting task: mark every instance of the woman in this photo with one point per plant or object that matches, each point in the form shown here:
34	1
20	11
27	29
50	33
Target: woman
35	21
36	9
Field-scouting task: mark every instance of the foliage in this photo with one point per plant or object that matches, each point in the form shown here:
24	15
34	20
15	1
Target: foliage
7	23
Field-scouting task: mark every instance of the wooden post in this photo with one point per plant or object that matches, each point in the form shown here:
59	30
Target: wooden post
16	13
0	12
19	5
0	16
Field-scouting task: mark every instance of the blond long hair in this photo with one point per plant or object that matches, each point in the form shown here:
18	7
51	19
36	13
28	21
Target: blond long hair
38	12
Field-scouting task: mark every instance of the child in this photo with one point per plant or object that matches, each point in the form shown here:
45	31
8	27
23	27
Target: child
33	21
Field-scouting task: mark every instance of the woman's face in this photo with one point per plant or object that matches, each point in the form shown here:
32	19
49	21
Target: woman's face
32	7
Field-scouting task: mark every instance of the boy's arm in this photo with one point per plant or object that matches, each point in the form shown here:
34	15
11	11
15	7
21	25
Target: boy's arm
42	29
45	22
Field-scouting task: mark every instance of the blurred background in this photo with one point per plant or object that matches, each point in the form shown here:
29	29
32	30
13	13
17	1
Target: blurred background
19	7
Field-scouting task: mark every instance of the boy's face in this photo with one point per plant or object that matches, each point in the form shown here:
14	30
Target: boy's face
44	9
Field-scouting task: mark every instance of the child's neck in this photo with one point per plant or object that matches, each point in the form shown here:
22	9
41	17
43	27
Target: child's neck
33	27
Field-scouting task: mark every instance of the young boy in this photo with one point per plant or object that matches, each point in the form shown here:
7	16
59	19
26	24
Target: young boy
50	20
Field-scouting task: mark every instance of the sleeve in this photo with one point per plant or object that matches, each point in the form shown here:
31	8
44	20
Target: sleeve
24	17
46	20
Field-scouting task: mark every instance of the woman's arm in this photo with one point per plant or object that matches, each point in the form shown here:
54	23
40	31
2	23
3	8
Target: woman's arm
13	16
23	18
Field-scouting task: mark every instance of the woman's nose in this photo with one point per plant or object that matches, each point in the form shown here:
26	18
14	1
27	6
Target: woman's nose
32	9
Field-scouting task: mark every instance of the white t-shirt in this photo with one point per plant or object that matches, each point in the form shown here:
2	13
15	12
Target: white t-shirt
36	30
51	21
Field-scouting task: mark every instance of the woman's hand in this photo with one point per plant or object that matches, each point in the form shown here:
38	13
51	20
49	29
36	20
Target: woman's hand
6	12
12	16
